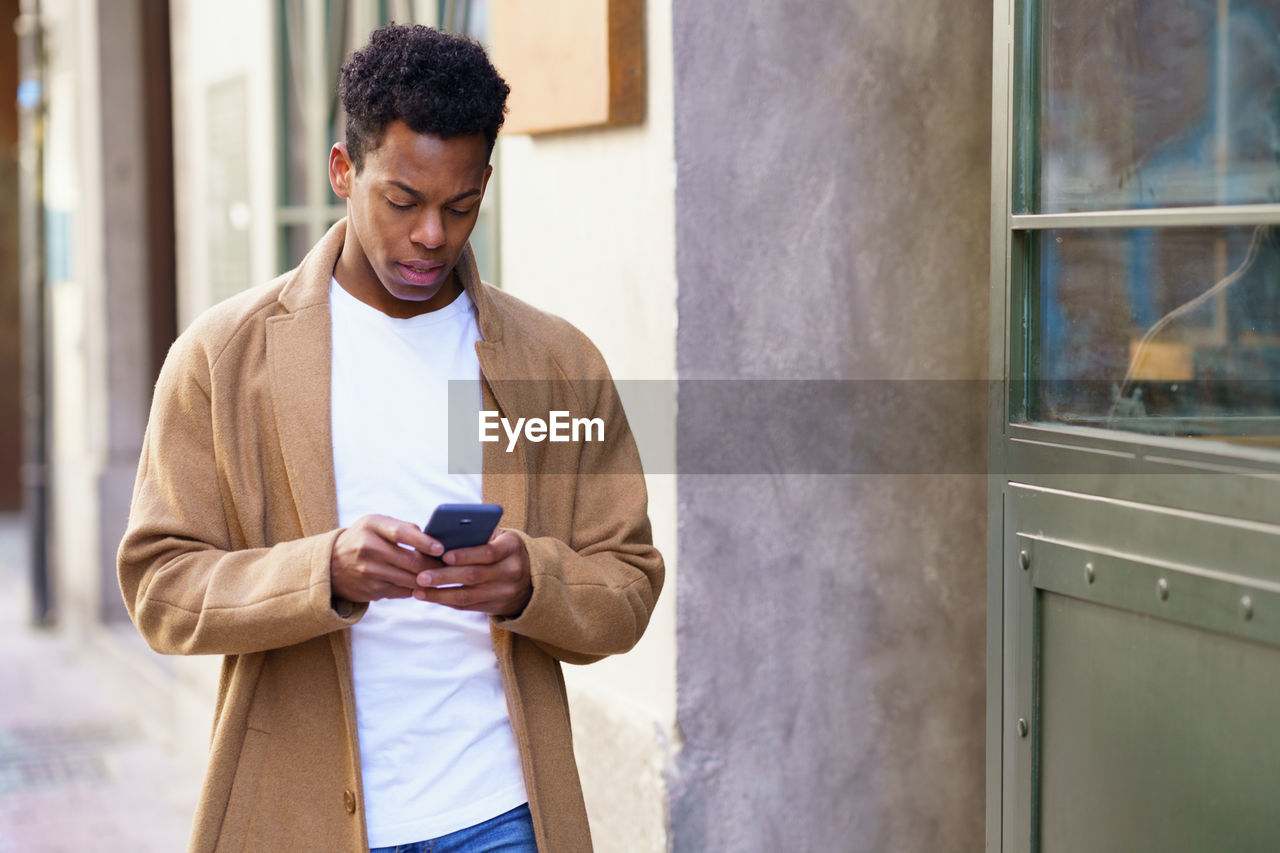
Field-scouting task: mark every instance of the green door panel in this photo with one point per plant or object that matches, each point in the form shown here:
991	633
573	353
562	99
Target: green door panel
1154	735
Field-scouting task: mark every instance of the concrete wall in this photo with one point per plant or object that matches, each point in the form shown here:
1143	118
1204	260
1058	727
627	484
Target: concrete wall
588	232
832	222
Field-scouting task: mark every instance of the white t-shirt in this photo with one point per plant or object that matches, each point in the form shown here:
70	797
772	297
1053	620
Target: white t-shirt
436	747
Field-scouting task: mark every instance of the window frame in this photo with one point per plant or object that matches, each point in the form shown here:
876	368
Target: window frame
1173	477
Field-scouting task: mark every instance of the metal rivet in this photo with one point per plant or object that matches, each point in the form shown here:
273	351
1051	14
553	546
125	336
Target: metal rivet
1246	608
1088	572
1162	589
1024	560
1022	727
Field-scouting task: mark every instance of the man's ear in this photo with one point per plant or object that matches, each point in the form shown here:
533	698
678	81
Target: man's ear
341	170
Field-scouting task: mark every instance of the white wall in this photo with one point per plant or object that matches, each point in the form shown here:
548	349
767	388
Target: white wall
214	44
588	233
77	362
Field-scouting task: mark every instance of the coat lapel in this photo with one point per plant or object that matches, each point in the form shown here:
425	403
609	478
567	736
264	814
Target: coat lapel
299	358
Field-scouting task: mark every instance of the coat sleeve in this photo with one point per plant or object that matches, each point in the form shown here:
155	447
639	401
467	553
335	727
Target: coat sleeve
593	595
185	585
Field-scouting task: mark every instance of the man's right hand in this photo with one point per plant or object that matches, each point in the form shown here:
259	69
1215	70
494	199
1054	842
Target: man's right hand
368	562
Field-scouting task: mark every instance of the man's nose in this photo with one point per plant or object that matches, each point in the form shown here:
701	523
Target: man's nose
429	230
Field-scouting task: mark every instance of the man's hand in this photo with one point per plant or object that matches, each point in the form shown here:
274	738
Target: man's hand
494	577
368	562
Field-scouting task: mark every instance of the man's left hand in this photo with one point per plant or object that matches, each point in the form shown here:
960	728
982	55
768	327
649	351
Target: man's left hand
494	577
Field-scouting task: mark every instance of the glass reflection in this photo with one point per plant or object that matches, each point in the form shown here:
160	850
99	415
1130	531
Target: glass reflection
1173	331
1156	104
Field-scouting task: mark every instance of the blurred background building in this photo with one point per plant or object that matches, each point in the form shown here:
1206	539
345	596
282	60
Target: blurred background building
746	190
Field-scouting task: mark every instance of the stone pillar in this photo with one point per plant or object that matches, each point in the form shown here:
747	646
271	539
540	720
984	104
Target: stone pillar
138	254
832	223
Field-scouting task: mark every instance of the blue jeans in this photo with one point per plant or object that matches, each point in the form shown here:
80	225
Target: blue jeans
511	832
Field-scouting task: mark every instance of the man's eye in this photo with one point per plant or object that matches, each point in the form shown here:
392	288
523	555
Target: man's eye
457	212
399	206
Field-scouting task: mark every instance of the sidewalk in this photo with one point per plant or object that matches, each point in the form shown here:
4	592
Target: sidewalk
77	772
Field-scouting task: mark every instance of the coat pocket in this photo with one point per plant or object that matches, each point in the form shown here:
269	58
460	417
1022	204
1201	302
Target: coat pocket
243	799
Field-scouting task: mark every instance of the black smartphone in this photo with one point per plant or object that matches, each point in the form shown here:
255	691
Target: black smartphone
463	525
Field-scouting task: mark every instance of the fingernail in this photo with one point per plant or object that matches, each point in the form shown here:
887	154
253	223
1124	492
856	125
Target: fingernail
424	579
448	558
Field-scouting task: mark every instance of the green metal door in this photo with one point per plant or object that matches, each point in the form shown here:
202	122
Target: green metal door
1134	580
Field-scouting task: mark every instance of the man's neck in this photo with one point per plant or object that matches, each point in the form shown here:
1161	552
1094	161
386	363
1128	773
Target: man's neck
365	286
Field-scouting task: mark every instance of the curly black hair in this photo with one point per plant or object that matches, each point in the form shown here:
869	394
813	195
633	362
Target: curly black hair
434	82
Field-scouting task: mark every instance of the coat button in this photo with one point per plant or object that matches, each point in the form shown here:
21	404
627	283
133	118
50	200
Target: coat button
349	800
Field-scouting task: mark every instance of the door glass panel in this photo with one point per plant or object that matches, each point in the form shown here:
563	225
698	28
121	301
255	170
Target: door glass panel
1172	331
1153	103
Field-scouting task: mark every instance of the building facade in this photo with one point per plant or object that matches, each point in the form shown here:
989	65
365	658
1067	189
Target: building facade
801	206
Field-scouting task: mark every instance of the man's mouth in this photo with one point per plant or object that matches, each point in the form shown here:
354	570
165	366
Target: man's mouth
425	272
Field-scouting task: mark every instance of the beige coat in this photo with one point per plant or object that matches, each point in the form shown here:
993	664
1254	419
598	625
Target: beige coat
234	517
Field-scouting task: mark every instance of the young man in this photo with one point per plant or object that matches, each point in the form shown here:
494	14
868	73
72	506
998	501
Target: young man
375	690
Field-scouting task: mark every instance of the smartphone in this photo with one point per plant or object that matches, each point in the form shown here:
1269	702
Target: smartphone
463	525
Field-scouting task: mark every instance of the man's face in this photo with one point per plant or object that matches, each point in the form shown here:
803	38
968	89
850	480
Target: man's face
410	211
